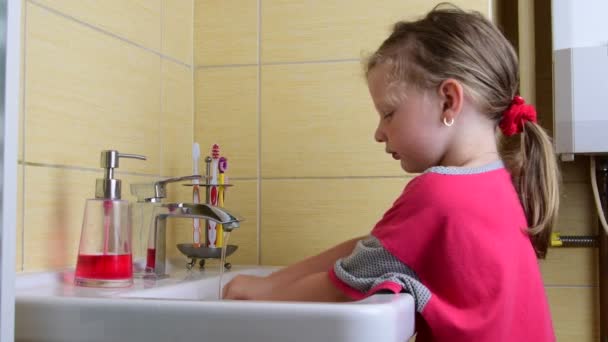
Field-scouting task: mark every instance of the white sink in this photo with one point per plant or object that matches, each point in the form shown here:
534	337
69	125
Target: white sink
185	307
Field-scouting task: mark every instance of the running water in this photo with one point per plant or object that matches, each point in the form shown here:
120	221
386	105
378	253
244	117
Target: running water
222	263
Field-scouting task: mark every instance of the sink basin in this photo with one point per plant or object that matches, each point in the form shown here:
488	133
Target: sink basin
185	307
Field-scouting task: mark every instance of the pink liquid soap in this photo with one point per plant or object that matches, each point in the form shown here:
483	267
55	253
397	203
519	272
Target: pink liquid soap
109	266
151	260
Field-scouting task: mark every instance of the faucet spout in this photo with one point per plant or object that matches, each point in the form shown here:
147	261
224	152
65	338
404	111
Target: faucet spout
187	210
203	211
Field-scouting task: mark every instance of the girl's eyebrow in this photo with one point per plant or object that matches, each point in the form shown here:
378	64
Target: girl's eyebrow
387	110
393	99
384	108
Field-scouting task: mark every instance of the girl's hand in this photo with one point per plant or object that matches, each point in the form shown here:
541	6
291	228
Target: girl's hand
313	288
247	287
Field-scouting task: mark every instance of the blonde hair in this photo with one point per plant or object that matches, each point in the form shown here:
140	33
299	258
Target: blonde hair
452	43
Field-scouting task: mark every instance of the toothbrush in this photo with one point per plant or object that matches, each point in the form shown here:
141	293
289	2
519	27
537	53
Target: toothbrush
222	167
212	231
196	155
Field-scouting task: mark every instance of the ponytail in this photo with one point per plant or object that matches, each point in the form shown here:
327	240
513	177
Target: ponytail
533	166
539	185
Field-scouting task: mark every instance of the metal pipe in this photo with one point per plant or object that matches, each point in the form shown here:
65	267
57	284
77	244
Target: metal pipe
603	274
602	176
578	241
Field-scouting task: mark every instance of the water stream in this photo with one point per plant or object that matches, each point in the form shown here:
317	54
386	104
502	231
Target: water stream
222	263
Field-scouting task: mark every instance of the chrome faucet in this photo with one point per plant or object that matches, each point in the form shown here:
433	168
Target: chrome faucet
154	193
188	210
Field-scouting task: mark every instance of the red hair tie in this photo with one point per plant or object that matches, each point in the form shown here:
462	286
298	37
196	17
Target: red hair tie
516	115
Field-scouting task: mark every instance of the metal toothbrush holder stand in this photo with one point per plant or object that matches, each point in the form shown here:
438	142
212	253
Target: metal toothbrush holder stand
204	251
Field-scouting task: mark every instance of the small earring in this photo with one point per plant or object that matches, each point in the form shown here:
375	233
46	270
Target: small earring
448	123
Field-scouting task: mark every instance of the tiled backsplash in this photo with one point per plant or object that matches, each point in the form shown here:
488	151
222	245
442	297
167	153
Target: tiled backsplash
278	85
97	75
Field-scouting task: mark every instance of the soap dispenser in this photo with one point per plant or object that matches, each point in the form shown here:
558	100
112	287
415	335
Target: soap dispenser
104	255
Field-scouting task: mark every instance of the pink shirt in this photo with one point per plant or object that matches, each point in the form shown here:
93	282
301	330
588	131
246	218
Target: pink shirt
464	237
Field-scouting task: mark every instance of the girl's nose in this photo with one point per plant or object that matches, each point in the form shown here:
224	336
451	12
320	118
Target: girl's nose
378	135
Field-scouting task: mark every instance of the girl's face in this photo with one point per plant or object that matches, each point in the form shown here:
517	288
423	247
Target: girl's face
410	127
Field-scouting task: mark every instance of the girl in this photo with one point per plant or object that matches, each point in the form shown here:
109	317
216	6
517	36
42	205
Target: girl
464	236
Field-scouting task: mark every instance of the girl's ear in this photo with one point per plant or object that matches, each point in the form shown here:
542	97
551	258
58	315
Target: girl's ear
451	96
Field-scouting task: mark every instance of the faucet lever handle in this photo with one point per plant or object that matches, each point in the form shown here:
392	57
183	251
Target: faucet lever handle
153	192
160	186
178	179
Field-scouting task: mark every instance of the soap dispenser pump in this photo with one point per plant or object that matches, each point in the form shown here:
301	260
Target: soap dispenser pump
104	255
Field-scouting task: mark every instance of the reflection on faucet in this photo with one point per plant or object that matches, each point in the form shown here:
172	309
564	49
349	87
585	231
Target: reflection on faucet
156	263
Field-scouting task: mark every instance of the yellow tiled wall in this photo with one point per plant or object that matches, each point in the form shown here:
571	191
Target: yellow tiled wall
278	85
97	75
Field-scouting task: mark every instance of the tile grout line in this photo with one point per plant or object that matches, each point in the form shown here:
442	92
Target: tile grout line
259	177
103	31
321	61
338	177
24	64
86	169
219	66
126	173
160	91
193	76
259	110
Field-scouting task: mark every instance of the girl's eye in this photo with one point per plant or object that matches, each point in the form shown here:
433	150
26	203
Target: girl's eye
388	115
